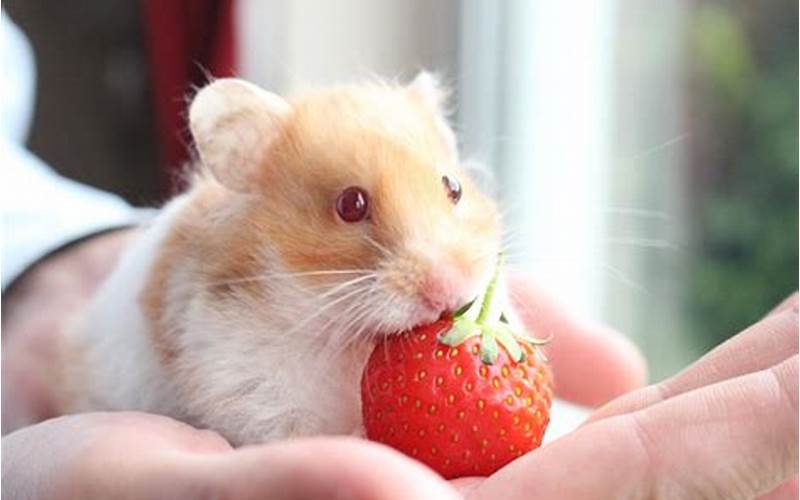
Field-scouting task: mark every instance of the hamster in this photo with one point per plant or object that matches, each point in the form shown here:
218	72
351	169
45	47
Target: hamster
312	226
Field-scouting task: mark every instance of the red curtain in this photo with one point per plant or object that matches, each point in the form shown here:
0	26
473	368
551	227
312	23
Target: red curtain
187	42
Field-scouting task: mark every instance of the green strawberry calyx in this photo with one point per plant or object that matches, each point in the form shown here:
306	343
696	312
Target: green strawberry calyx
483	317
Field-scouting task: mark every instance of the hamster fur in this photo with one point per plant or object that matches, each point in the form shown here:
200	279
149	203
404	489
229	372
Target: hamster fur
249	306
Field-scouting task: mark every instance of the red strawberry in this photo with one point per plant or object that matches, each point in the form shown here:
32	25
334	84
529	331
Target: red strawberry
446	395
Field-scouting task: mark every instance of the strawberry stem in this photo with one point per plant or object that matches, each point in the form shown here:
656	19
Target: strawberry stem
488	296
492	325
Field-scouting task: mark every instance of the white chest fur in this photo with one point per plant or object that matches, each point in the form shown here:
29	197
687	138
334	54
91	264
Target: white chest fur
241	370
121	370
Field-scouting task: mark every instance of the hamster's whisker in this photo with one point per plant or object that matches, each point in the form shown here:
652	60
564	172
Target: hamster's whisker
508	244
509	231
513	267
385	251
344	335
325	289
639	212
511	256
353	315
508	250
530	308
330	331
509	208
641	243
269	276
357	301
486	255
354	335
391	299
324	272
346	284
614	272
512	235
364	286
511	243
623	278
322	309
237	281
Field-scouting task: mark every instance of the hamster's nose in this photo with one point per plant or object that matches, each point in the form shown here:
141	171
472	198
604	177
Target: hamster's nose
443	288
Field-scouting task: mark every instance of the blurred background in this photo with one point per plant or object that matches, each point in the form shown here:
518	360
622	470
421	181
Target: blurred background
645	152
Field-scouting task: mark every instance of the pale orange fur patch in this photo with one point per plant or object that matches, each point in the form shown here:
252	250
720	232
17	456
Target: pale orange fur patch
221	251
379	137
388	141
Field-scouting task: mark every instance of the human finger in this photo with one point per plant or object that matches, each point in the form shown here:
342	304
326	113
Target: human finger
592	364
766	343
330	467
791	303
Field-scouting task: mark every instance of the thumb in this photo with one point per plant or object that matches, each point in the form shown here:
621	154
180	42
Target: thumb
341	468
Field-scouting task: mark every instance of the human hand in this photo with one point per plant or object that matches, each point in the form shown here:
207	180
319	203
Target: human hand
36	311
726	428
591	363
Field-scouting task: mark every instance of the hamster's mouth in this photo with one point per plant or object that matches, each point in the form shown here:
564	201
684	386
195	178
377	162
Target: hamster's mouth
422	315
412	312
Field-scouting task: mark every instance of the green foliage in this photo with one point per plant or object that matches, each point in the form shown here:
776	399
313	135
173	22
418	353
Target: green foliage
744	74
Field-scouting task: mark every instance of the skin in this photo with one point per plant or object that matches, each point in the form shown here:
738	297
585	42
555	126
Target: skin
736	409
61	285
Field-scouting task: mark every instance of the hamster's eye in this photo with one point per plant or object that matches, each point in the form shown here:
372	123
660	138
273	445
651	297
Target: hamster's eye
352	205
453	188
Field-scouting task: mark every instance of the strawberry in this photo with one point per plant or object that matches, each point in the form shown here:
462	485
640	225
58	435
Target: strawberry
447	395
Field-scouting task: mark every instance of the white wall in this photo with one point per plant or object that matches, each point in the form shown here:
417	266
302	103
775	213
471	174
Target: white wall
288	45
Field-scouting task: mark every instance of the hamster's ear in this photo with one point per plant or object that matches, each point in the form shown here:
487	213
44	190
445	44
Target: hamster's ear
233	123
426	87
